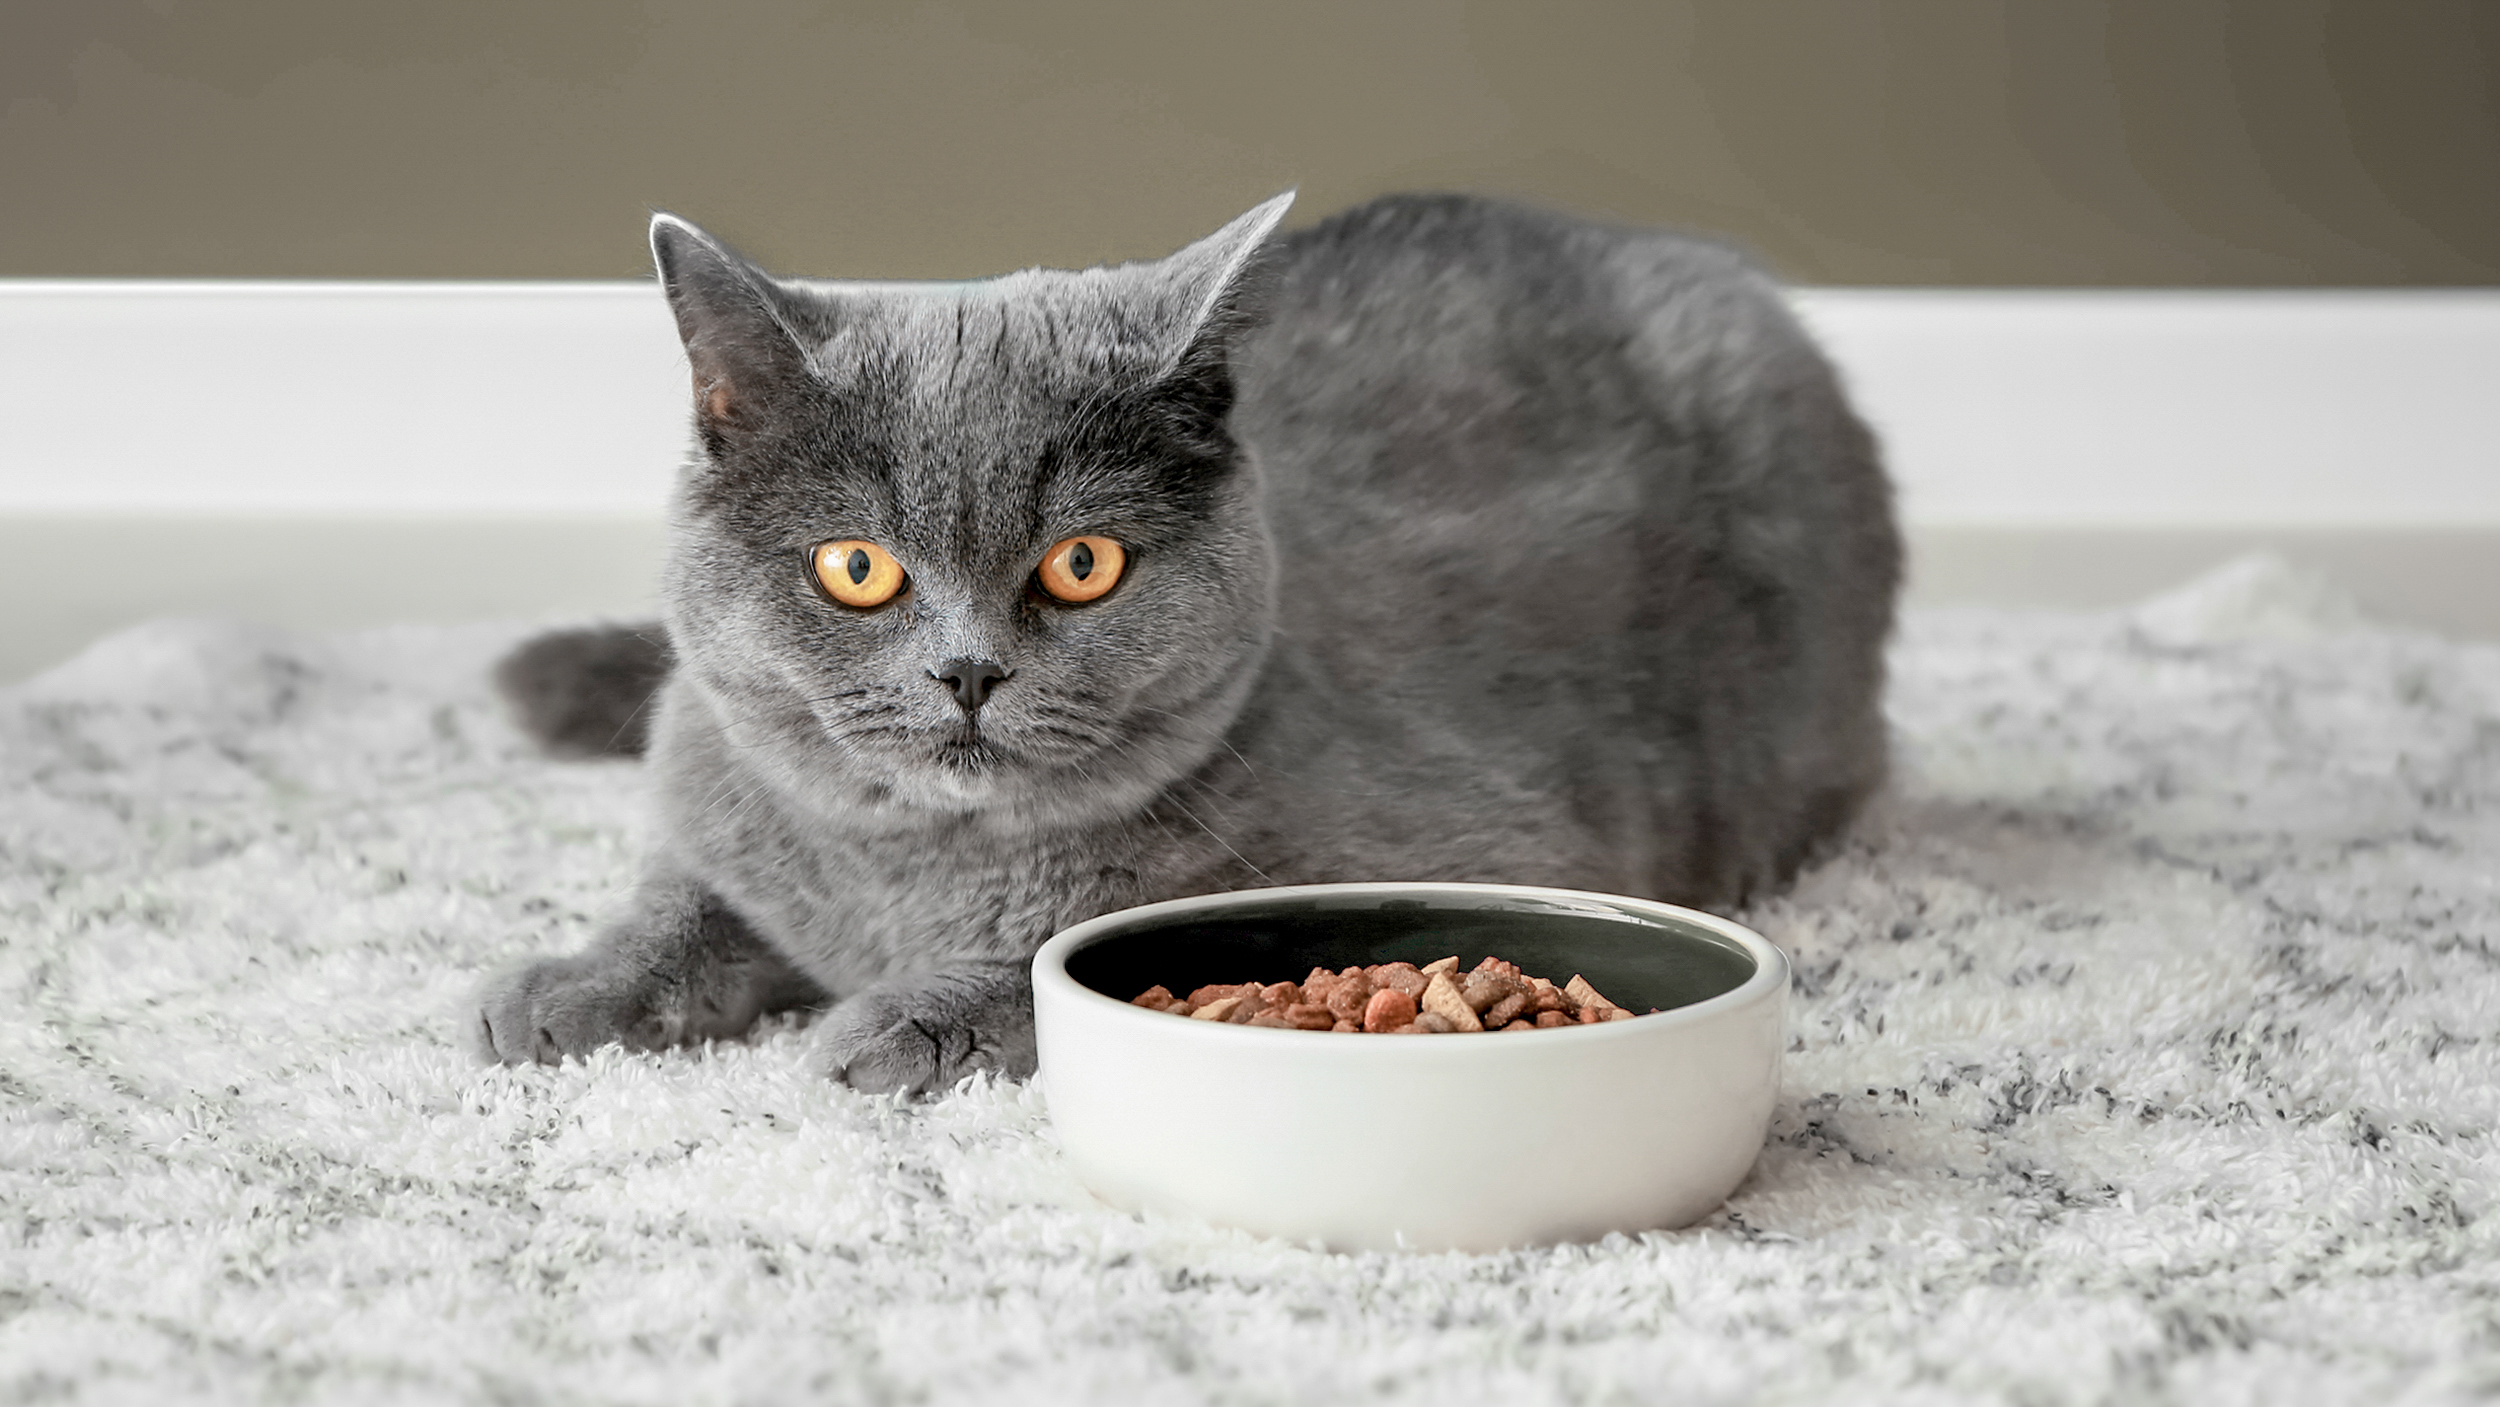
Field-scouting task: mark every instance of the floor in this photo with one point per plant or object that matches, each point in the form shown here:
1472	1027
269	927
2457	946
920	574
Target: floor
2141	1052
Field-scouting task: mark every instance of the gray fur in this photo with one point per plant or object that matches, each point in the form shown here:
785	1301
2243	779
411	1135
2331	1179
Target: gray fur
587	693
1470	542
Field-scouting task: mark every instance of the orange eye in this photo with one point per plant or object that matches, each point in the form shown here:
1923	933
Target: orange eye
856	573
1080	569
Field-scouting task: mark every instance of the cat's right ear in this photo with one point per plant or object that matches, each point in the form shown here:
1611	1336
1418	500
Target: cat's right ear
739	326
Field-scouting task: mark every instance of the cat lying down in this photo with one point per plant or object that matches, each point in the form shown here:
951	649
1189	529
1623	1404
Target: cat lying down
1443	540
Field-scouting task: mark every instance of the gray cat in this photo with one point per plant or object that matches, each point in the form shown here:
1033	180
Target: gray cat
1447	539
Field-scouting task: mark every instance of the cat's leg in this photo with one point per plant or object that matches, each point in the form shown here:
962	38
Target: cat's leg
925	1032
678	968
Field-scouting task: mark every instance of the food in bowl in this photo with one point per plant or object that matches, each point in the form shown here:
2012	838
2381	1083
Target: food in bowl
1350	1143
1397	999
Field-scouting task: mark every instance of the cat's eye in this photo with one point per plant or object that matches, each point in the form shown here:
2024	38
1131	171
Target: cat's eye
856	573
1079	569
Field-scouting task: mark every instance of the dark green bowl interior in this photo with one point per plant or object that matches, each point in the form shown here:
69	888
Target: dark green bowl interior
1635	961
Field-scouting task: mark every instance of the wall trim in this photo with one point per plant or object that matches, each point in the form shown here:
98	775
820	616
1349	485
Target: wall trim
1999	407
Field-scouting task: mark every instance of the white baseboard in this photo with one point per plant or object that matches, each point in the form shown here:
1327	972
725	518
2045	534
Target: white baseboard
2040	409
350	399
2177	410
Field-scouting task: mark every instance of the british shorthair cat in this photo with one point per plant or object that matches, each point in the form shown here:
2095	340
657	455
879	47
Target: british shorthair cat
1445	539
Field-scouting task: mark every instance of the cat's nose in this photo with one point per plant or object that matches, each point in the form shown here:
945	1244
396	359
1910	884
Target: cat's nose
971	680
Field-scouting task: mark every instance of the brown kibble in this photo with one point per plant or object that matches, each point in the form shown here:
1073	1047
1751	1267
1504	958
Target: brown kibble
1442	996
1308	1017
1505	1011
1495	967
1484	989
1404	976
1579	990
1397	998
1349	996
1388	1009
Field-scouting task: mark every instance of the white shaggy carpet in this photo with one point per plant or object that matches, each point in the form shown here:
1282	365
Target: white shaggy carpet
2147	1050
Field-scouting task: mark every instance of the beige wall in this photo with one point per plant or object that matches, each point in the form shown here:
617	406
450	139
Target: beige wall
1849	141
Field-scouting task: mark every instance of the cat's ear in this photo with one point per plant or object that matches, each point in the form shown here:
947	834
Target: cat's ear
1212	283
739	325
1214	288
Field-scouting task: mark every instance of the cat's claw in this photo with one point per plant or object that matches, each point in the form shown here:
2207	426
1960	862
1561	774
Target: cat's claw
922	1039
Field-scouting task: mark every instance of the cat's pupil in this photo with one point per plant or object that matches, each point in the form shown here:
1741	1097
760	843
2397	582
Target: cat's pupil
858	566
1080	561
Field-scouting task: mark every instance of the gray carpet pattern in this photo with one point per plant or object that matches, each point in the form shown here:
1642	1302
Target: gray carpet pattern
2146	1049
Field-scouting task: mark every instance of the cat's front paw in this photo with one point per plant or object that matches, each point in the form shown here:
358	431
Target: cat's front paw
545	1010
924	1034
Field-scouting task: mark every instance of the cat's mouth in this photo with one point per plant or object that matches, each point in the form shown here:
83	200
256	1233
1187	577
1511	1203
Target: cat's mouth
966	749
968	760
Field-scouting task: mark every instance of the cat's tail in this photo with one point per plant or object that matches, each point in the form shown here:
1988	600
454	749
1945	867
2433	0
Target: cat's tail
587	693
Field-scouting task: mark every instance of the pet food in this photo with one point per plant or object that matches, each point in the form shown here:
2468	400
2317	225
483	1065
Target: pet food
1398	999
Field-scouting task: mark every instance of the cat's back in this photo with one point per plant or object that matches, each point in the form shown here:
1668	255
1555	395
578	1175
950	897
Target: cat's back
1442	372
1583	506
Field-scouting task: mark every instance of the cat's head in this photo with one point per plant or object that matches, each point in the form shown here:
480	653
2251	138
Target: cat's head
893	541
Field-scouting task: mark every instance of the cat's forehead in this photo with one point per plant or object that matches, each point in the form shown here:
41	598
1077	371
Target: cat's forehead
955	408
1039	336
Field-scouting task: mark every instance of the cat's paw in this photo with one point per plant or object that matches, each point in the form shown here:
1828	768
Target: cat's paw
546	1010
920	1037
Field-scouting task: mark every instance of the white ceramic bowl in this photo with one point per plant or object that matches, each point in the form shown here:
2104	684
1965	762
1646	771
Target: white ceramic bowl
1465	1142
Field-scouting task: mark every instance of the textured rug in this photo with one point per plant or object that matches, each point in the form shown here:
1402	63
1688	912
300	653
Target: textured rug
2146	1049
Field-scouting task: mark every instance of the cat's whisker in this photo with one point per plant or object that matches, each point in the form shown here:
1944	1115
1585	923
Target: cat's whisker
1093	736
712	799
1173	796
1201	824
738	808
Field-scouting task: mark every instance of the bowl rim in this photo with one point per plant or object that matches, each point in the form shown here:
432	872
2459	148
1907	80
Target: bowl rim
1770	975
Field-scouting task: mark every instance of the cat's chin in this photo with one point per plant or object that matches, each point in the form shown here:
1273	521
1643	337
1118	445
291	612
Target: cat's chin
1043	789
973	757
1015	798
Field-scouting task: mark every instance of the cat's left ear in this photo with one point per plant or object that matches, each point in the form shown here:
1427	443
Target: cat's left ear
740	326
1211	293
